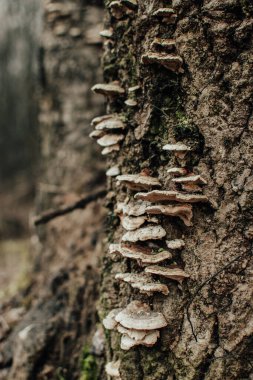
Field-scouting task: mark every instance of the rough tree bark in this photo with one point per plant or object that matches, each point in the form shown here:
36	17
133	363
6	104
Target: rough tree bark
208	107
45	332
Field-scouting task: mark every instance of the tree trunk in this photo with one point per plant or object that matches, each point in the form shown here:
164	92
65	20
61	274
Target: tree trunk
208	107
49	328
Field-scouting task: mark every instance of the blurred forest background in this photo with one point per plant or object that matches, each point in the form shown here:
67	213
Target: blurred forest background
19	135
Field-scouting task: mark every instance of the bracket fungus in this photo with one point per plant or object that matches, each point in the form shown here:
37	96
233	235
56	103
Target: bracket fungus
110	124
144	233
138	316
113	171
112	369
143	282
190	179
131	223
149	340
110	149
164	195
131	102
177	171
170	61
145	255
138	324
133	89
139	181
163	43
180	150
168	14
172	273
96	134
175	244
98	119
109	321
134	208
107	33
108	89
184	212
133	334
110	139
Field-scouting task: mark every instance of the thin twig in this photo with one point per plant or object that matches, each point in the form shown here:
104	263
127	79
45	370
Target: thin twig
204	284
80	204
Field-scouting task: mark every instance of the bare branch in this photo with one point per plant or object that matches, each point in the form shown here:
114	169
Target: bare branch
49	215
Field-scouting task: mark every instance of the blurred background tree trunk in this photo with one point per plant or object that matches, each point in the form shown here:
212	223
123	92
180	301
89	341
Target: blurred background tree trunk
49	327
208	108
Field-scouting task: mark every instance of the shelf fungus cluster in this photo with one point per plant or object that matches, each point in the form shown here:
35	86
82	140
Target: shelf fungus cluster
137	324
162	50
109	132
148	207
144	241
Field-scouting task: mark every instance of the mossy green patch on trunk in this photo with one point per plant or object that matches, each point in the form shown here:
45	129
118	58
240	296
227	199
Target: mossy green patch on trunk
89	369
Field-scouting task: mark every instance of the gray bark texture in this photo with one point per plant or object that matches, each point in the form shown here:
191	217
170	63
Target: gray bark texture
208	107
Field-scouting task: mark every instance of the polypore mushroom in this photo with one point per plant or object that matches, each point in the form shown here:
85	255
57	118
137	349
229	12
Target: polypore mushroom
143	282
170	61
175	244
112	369
134	208
133	334
163	43
109	321
138	316
168	14
172	273
110	124
110	149
184	212
108	89
107	33
149	340
113	171
145	255
163	195
145	233
110	139
131	102
138	181
131	223
133	89
179	149
191	179
98	119
177	171
96	134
